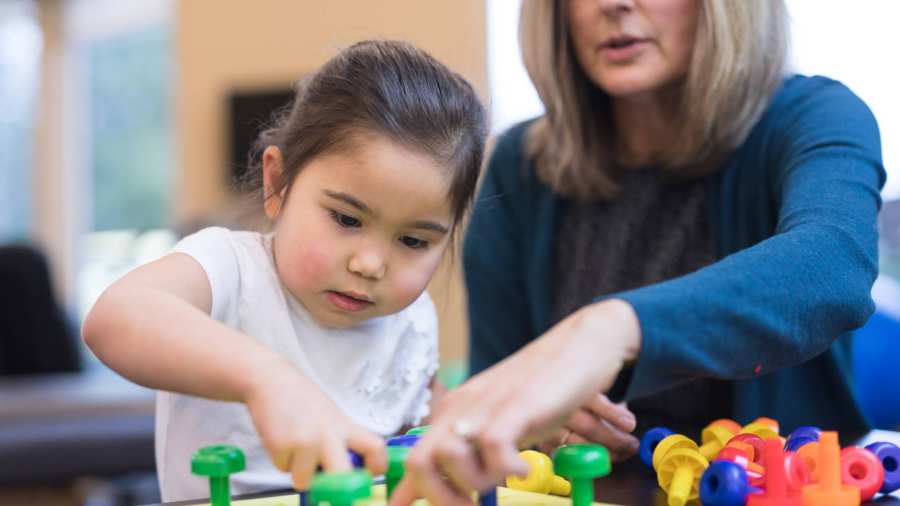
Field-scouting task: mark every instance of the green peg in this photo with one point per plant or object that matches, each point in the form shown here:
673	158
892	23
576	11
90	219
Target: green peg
217	463
581	463
418	431
340	488
396	463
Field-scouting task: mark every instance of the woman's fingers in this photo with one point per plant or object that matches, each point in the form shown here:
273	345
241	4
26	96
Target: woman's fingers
422	470
459	461
616	414
596	430
614	455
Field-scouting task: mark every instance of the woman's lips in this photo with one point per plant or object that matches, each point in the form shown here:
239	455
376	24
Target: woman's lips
622	51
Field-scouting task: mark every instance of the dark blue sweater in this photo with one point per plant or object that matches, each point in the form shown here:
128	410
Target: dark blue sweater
793	211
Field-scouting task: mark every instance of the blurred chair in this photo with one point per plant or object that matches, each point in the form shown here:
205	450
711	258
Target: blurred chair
876	356
35	336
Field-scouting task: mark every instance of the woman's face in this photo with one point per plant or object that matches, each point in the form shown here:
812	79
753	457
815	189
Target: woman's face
631	48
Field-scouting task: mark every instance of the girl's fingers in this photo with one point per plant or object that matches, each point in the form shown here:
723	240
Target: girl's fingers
616	414
303	467
371	448
334	454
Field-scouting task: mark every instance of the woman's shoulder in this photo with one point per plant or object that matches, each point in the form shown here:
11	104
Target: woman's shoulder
805	100
509	167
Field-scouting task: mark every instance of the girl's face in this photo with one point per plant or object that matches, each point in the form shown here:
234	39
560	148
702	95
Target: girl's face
631	48
360	233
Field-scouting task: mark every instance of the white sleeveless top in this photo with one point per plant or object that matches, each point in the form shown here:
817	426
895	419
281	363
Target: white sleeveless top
377	372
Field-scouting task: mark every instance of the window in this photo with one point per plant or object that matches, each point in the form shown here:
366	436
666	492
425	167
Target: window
20	54
120	66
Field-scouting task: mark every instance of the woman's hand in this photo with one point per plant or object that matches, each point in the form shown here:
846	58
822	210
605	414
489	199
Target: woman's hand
301	428
602	422
523	400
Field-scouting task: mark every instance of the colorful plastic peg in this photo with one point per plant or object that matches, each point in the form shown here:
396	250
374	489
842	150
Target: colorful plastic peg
679	472
396	464
673	442
758	444
777	492
862	469
649	442
218	463
340	488
762	430
581	464
889	454
724	484
418	431
540	478
829	491
714	438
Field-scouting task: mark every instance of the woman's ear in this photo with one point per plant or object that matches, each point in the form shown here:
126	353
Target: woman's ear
272	163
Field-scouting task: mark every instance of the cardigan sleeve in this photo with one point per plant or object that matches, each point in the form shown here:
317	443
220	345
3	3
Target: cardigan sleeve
493	263
785	299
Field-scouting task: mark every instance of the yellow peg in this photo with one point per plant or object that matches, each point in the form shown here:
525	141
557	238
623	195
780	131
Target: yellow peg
714	439
670	443
761	430
679	475
541	478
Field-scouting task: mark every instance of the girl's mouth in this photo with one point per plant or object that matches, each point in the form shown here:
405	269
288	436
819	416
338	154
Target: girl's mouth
351	302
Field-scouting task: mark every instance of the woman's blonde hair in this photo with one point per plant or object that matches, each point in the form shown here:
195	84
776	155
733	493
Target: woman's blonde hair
737	64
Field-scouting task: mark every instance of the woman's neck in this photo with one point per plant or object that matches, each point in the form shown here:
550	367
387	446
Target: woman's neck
644	127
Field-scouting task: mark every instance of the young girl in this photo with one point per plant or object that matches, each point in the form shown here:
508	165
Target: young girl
319	336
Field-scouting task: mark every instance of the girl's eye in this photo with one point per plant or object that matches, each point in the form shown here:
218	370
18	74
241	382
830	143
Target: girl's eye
344	220
413	243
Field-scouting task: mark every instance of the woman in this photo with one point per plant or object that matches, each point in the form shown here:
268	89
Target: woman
687	228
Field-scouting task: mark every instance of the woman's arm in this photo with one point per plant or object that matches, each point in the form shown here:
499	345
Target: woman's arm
784	300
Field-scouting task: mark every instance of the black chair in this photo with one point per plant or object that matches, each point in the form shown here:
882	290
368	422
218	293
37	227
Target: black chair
35	336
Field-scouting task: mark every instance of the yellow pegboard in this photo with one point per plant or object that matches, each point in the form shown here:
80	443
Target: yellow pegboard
505	497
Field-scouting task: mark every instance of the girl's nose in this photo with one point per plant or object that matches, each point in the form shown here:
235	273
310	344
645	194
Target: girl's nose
368	263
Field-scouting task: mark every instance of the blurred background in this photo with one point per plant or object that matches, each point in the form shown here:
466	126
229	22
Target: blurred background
124	126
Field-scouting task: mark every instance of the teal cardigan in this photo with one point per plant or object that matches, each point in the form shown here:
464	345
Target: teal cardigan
793	211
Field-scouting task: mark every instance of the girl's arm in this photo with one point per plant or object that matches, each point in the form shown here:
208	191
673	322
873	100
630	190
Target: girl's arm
153	327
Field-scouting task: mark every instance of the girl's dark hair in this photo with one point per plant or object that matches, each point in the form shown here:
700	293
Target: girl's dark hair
386	88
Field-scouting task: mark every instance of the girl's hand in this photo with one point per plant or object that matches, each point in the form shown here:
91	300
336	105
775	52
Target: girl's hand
301	428
600	421
478	428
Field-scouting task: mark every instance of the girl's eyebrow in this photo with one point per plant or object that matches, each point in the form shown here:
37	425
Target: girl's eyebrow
358	204
430	225
351	200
